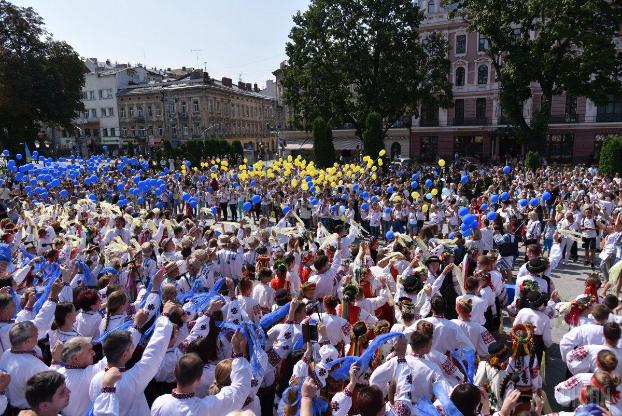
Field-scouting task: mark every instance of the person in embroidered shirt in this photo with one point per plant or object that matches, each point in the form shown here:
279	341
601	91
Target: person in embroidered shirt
47	393
188	372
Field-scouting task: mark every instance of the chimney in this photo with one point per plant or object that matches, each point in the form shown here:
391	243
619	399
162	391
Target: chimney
241	85
255	87
107	61
183	68
249	86
227	82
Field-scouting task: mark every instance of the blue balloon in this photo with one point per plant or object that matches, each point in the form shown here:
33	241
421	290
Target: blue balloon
5	152
18	156
253	183
193	204
314	201
387	210
463	211
507	170
464	178
236	185
523	202
505	196
186	197
19	176
484	207
120	187
92	197
141	200
213	210
494	198
415	176
546	195
312	189
355	187
35	154
534	202
63	193
365	206
466	233
390	190
365	195
428	182
374	199
286	209
344	197
213	168
389	235
429	195
469	219
491	215
256	199
451	235
414	184
247	206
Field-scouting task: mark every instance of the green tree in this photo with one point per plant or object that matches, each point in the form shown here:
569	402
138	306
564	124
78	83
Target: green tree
349	57
557	46
40	79
236	147
532	160
610	161
130	149
323	148
373	136
168	149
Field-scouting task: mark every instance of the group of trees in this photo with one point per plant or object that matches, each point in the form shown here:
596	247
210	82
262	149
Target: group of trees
354	61
41	78
197	150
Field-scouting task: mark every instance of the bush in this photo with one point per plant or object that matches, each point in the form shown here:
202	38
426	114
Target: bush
236	147
373	136
532	160
610	161
323	148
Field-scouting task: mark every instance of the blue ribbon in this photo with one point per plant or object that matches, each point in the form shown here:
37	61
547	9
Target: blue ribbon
364	360
448	406
124	326
50	272
26	256
108	269
182	298
88	278
346	362
201	301
254	344
270	319
426	408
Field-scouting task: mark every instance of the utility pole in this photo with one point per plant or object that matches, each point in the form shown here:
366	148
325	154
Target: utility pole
196	52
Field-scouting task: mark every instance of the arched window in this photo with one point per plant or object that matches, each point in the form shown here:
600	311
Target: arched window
396	150
459	81
482	75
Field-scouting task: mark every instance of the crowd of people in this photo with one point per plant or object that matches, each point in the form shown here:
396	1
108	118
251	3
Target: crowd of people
128	288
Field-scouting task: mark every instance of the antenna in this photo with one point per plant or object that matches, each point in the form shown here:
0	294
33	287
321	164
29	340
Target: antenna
240	77
196	52
204	66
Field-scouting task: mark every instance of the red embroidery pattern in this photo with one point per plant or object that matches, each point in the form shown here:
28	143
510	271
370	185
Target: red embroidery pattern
534	372
334	406
401	409
448	367
571	383
578	354
273	358
345	328
487	338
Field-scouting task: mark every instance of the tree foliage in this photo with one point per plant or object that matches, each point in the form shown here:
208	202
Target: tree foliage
323	148
373	136
557	46
236	147
532	160
40	79
349	57
610	161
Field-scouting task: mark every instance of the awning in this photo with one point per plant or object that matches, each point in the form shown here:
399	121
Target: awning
299	146
340	144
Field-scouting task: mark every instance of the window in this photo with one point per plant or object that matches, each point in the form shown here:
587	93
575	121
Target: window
195	106
184	107
211	106
123	132
171	107
174	132
570	113
112	132
428	148
185	130
131	111
158	111
431	8
429	116
108	93
559	147
149	111
459	111
483	44
482	75
84	95
160	132
93	113
104	132
103	112
480	108
122	112
86	114
460	44
92	95
140	111
217	107
110	111
459	81
101	94
612	111
469	146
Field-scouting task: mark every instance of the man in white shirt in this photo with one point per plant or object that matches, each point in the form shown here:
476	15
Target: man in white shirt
590	232
487	241
568	223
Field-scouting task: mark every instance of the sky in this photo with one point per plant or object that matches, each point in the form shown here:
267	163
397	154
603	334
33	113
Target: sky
233	36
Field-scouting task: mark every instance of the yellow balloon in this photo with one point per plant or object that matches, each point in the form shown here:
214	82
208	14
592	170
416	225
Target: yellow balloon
434	191
218	160
294	183
424	208
281	180
374	168
441	162
415	195
194	168
373	176
304	187
380	162
245	160
382	153
290	158
397	198
214	176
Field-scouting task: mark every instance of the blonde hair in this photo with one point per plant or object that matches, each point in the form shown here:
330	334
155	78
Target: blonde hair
222	376
114	302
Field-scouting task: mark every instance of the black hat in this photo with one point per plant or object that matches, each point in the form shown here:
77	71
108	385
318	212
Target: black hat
412	283
432	259
537	265
280	297
499	350
535	299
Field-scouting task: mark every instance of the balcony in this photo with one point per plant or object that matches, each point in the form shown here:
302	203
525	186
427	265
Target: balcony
470	121
183	115
139	119
564	119
428	123
609	118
